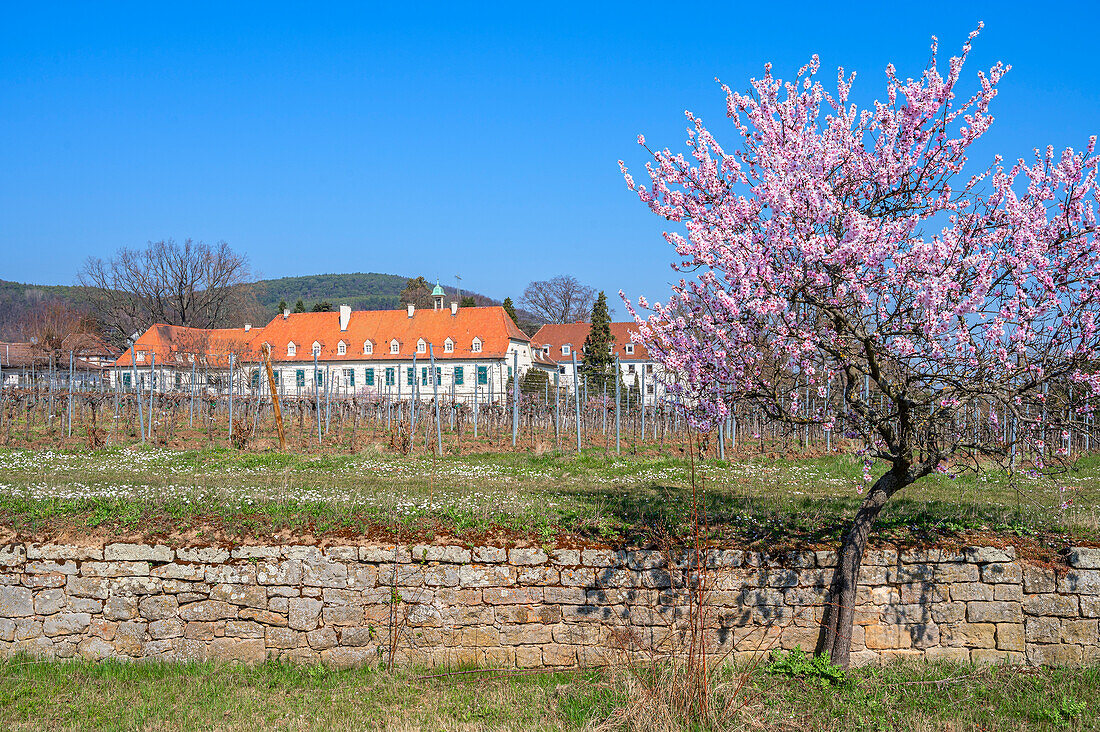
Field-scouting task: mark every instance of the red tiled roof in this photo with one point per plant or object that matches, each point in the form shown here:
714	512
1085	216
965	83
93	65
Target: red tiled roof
489	324
574	334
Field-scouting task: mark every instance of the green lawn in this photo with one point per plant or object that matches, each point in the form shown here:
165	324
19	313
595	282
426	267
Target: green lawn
43	695
753	500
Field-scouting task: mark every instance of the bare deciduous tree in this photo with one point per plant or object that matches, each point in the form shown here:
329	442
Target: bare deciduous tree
561	299
50	322
193	284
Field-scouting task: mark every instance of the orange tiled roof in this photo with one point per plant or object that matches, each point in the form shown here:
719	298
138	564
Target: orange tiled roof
174	344
489	324
557	335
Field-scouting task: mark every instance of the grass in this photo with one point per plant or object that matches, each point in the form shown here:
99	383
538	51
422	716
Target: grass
54	695
753	501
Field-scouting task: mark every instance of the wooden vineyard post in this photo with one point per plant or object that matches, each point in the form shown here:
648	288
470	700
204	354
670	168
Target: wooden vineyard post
274	396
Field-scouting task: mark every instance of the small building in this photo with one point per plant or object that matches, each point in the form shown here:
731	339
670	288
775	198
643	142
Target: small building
560	342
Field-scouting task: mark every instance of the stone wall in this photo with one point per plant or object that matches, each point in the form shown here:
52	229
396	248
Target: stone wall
527	607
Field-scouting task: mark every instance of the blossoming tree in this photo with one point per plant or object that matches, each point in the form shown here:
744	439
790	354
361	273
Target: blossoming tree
945	317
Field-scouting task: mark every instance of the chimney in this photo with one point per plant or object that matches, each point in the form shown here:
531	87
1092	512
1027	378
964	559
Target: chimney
345	316
286	313
412	309
454	308
247	327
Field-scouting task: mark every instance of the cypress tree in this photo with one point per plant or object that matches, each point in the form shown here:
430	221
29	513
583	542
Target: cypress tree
511	310
282	307
597	346
299	307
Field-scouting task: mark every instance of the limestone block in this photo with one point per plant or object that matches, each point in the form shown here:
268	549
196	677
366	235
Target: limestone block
490	554
137	552
1062	606
994	612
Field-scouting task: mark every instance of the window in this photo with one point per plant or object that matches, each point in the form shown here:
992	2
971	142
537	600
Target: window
421	346
565	350
316	348
394	346
368	348
448	346
255	379
610	350
482	375
320	377
460	377
368	377
649	368
630	348
649	388
341	349
141	356
546	350
423	375
477	345
179	379
509	373
390	375
126	380
349	377
291	349
300	378
410	376
630	369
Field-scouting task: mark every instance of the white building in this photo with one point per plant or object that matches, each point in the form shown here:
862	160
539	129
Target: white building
560	342
381	353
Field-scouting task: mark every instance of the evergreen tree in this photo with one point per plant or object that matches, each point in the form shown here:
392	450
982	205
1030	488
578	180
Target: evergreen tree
511	310
282	307
323	307
598	360
299	307
468	302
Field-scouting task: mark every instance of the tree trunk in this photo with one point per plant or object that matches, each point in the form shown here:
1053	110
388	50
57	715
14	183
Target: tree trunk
836	638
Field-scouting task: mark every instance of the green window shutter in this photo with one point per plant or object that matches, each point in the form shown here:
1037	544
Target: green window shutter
351	378
255	379
423	375
389	376
368	377
482	375
459	376
320	377
509	373
410	376
126	380
439	375
300	378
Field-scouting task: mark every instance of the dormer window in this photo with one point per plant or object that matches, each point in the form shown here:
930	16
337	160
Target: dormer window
394	346
610	350
476	347
448	346
140	356
316	348
421	346
368	348
630	349
565	350
291	349
341	349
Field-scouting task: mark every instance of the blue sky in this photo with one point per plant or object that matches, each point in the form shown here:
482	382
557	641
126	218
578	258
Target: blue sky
438	139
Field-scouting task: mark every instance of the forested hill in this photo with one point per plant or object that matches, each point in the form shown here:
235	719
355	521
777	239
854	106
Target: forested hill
361	290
